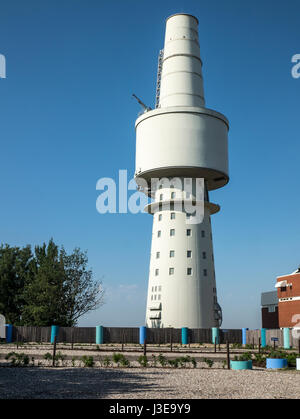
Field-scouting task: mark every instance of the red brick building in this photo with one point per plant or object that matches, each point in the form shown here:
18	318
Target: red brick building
288	291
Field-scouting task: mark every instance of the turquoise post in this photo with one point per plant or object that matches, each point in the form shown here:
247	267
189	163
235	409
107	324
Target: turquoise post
184	335
244	335
286	338
54	332
9	330
143	334
99	335
215	334
263	338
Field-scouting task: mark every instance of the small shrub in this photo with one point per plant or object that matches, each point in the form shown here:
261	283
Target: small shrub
154	360
209	362
174	362
224	364
88	361
236	346
143	361
120	359
162	360
106	361
17	359
74	358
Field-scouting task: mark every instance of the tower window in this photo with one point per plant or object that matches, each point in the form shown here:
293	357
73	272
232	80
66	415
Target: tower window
159	288
202	233
159	233
205	272
172	215
173	194
189	254
161	197
189	271
204	255
172	253
171	271
157	255
172	232
156	272
188	232
159	217
158	297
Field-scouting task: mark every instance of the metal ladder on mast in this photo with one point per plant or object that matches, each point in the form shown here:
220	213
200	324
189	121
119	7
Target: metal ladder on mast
159	70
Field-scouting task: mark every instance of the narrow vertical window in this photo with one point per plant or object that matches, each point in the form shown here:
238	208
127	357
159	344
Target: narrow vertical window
172	253
157	255
189	271
205	272
189	254
204	255
172	215
173	194
159	233
171	271
188	232
202	233
159	217
172	232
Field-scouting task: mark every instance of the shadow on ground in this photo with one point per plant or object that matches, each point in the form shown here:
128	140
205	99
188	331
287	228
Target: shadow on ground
67	383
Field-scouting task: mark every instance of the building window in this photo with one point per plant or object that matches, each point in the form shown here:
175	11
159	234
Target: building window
160	186
283	289
157	255
172	215
204	255
205	272
156	272
188	232
171	271
189	271
172	253
189	254
155	289
202	233
159	233
188	216
172	232
159	288
161	197
158	297
173	194
151	297
154	296
159	217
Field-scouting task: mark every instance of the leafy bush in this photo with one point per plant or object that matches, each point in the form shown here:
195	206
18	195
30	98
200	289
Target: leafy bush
143	361
162	360
236	346
173	362
88	361
48	357
209	362
154	360
106	361
17	359
120	359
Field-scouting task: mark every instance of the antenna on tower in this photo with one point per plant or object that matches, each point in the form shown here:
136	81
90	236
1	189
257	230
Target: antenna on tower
146	108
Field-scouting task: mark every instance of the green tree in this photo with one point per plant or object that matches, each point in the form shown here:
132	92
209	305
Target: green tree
43	292
81	293
16	268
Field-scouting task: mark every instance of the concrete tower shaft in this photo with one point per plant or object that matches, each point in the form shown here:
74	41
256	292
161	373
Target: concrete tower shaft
181	79
181	139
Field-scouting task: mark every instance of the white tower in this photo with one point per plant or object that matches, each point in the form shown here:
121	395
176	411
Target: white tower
181	139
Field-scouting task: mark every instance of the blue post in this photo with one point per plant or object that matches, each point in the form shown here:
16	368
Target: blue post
99	335
244	335
215	334
143	334
286	338
184	335
54	332
9	330
263	338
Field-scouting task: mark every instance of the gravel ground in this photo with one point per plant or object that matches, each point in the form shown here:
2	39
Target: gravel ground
148	383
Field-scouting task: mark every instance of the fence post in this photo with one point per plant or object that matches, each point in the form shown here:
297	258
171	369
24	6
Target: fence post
54	351
99	335
171	339
259	345
143	334
145	347
228	354
263	338
54	333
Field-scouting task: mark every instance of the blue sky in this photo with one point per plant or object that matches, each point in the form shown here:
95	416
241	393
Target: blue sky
67	119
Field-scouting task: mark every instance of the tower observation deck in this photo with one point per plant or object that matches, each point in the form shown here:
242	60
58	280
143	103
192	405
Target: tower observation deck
176	143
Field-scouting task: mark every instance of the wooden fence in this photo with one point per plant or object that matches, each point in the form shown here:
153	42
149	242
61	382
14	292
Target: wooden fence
253	336
121	334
